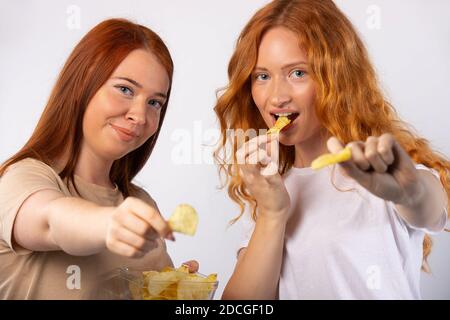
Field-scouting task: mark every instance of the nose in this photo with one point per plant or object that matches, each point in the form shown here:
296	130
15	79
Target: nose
138	113
279	94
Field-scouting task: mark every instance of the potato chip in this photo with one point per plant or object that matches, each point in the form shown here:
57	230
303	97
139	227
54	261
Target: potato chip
159	281
330	158
170	293
195	287
172	284
184	219
279	125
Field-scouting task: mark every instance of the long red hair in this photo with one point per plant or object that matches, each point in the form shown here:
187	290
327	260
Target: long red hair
88	67
349	102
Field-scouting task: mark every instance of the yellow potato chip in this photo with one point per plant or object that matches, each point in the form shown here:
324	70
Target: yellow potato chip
172	284
212	277
279	125
159	281
184	219
195	287
183	268
170	293
330	158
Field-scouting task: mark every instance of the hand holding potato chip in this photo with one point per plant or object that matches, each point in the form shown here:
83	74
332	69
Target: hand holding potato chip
331	158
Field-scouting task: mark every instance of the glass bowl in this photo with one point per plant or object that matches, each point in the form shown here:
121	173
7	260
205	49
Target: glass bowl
134	284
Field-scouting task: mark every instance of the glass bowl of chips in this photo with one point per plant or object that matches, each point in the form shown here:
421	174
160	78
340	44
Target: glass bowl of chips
167	284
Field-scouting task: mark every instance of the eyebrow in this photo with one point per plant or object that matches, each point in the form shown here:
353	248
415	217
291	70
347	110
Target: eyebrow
137	84
286	66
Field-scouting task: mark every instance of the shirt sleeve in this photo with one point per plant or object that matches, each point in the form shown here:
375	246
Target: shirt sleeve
20	181
146	197
441	225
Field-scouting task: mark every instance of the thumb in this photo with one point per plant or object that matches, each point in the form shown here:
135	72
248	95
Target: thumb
270	170
402	158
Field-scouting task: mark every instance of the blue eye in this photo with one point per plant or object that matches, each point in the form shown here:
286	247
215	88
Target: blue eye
261	76
125	90
298	73
155	103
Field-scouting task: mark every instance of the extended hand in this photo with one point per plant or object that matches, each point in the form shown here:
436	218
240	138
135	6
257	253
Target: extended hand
382	167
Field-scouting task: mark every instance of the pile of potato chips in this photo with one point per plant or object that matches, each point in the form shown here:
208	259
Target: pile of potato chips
175	284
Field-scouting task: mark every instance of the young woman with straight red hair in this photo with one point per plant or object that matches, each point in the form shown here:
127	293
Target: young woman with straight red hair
67	200
357	230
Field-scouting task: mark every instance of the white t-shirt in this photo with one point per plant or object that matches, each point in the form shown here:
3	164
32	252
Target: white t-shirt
346	245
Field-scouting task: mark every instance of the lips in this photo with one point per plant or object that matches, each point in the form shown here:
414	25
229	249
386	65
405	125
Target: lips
123	133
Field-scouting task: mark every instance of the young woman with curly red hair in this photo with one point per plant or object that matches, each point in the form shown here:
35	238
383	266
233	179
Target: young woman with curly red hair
357	230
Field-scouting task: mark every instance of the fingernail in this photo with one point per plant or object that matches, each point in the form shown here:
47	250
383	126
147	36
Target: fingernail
170	236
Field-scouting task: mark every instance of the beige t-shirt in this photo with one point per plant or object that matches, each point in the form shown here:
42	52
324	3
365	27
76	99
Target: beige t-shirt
28	274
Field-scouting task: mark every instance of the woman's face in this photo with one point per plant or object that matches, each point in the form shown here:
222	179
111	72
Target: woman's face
125	111
281	84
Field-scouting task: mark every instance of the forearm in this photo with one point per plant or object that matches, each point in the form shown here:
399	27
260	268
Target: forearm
425	209
257	273
77	226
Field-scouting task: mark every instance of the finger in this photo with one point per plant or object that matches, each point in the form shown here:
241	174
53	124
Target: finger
126	250
385	148
255	161
258	157
371	154
192	265
251	146
265	166
402	159
334	146
151	216
137	225
132	239
273	149
271	170
358	155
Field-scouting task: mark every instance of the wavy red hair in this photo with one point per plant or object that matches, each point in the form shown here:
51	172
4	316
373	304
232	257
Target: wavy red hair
349	104
88	67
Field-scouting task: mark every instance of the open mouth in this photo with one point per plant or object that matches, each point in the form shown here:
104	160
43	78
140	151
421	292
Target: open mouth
290	115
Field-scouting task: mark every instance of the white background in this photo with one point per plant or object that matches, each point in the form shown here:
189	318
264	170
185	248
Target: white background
410	51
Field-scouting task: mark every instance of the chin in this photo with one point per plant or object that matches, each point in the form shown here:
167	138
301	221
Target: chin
115	153
291	139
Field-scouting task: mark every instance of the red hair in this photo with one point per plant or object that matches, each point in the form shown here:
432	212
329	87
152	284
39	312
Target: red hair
349	102
88	67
